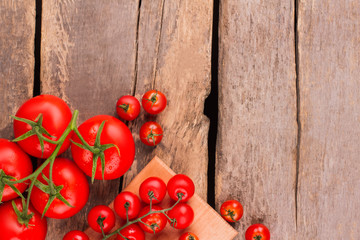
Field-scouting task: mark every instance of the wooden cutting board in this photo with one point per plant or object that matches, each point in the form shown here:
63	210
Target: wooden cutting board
207	225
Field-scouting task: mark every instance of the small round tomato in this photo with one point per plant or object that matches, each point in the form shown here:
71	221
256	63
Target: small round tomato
128	107
157	221
130	200
76	235
75	190
10	228
188	236
153	102
231	210
181	184
55	114
183	214
257	232
132	232
152	186
151	133
104	214
13	163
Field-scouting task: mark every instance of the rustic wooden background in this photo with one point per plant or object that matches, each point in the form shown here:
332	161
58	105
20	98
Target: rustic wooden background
285	79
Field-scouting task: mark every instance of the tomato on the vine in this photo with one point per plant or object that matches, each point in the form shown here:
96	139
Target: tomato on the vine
130	200
181	184
154	102
188	236
132	232
76	235
257	232
128	107
151	133
14	164
231	210
153	186
101	214
184	215
75	190
156	222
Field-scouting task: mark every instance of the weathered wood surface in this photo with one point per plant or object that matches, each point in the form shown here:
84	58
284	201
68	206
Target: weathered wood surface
257	131
17	32
329	70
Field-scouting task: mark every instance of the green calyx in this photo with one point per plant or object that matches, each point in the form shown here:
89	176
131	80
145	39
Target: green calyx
6	180
258	237
152	136
22	217
231	214
124	106
153	99
191	237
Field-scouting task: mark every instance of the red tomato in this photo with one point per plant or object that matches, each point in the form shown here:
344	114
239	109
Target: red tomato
10	228
188	236
181	183
132	232
14	163
76	235
103	212
151	133
154	185
114	132
131	200
183	214
75	190
156	220
56	117
128	107
154	102
257	232
231	210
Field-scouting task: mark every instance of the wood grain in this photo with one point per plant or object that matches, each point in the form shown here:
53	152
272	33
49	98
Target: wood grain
88	59
174	56
329	70
17	33
257	131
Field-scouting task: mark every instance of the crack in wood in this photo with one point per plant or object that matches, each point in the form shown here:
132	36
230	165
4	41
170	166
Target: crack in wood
136	51
158	44
37	48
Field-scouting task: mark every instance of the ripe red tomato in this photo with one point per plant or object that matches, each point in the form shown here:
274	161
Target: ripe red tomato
188	236
133	202
103	212
76	235
75	190
132	232
128	107
156	220
14	163
154	102
10	228
154	185
114	132
181	183
231	210
151	133
183	214
56	117
257	232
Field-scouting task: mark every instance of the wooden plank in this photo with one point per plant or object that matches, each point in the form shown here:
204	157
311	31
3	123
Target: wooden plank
17	33
88	59
257	131
174	56
329	70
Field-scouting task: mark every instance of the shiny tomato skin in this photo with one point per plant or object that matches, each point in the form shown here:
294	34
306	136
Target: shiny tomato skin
132	232
114	132
154	184
181	183
103	211
11	229
258	232
184	215
56	117
76	235
188	236
157	105
158	218
149	128
231	207
131	105
75	191
16	163
134	207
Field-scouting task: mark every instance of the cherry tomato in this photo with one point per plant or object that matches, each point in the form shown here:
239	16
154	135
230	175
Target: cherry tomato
10	228
132	232
76	235
151	133
131	200
128	107
106	214
231	210
257	232
56	116
114	132
188	236
181	183
154	102
156	220
14	163
183	214
154	185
